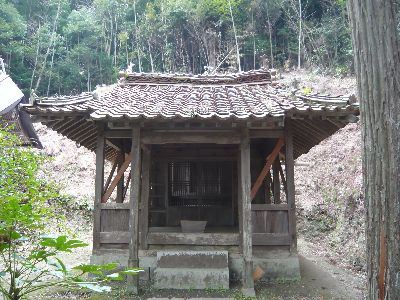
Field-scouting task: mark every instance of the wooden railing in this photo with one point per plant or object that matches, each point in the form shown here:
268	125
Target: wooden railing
270	224
270	227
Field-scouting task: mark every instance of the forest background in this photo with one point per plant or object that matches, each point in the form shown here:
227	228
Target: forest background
69	46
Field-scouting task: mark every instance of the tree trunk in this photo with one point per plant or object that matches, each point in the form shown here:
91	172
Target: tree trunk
137	38
270	37
377	66
300	34
236	39
52	41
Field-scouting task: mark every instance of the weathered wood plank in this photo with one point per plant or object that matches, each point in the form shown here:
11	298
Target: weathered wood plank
118	134
114	220
267	134
191	138
268	188
114	237
99	181
274	154
267	207
180	238
133	260
289	167
117	178
128	180
113	145
145	197
271	239
276	181
120	184
114	205
245	207
110	175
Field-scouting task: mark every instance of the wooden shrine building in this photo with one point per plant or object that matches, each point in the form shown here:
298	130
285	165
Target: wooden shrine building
213	148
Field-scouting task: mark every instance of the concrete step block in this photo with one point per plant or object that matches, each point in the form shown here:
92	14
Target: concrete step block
192	270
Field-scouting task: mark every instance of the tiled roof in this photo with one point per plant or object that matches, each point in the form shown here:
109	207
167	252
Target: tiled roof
238	96
250	96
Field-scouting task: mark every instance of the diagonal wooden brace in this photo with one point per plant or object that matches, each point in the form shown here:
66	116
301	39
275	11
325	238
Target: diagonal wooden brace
111	175
271	158
116	179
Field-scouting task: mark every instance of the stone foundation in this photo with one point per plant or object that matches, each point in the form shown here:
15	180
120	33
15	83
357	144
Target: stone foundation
277	265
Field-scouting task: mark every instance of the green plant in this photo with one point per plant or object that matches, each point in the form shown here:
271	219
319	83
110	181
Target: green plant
28	259
306	90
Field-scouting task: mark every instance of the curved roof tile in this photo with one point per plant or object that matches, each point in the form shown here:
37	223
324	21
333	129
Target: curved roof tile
241	96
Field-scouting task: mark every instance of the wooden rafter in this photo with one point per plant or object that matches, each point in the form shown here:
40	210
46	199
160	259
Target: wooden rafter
116	179
271	158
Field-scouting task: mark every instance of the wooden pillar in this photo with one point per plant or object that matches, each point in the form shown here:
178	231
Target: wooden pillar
120	185
144	195
290	194
268	188
277	183
245	212
133	260
99	183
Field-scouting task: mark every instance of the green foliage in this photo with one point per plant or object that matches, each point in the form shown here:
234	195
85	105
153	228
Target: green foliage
69	46
306	90
28	259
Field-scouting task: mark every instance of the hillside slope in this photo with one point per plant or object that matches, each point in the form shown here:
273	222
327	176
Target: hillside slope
330	199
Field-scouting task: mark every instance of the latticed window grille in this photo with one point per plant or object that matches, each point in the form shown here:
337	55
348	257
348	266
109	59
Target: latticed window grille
199	183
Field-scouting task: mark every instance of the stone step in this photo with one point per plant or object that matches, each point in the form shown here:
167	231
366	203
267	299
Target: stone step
190	299
192	270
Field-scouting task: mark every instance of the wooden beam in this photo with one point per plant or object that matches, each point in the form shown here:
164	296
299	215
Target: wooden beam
268	207
267	167
245	207
99	182
128	180
115	237
110	175
200	239
133	259
271	239
268	188
290	195
120	184
266	134
127	134
116	179
191	138
276	182
144	197
113	145
114	205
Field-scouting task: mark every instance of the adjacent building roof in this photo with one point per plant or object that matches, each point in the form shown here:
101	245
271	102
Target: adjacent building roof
247	96
11	95
10	116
